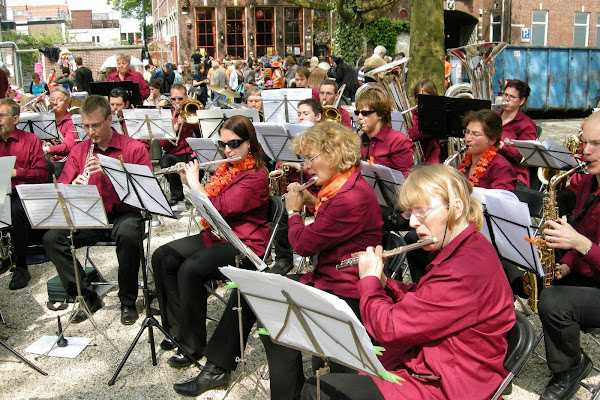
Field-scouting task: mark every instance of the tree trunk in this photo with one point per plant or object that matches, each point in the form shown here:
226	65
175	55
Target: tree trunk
426	43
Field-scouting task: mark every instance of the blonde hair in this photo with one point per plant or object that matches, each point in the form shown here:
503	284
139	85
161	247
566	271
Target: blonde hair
315	78
124	57
335	143
446	183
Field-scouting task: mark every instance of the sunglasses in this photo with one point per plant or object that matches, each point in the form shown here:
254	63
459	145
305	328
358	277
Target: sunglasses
233	144
364	113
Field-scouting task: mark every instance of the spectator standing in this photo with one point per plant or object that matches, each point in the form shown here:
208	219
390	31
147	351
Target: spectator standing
37	86
83	76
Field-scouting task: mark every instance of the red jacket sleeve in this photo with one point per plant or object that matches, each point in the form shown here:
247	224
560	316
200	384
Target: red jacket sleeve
38	168
69	135
242	196
402	155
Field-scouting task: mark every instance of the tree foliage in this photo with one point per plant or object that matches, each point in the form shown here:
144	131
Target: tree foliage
139	9
33	41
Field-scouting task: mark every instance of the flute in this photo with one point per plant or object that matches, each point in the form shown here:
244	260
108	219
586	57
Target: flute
306	185
349	262
180	166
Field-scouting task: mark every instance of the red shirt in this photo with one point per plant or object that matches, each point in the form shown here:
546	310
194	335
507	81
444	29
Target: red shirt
588	224
499	174
244	204
346	119
431	146
452	324
69	134
131	151
390	148
31	165
134	77
520	128
182	147
346	223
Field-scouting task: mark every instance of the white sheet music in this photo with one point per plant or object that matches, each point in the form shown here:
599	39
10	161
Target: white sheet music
547	153
82	134
5	217
398	123
275	139
205	149
149	123
7	164
335	327
44	210
276	108
212	120
42	124
219	225
384	180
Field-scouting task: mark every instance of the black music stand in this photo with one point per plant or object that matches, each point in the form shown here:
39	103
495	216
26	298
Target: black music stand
43	125
137	186
385	182
212	120
276	140
104	89
545	154
149	124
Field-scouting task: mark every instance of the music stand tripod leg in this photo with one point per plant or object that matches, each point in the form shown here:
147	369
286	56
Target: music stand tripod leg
150	321
22	358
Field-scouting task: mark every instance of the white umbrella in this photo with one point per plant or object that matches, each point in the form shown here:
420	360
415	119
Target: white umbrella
111	62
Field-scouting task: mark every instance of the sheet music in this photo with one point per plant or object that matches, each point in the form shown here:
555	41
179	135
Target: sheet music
7	164
5	217
81	133
219	225
44	210
333	324
42	124
148	123
275	139
547	153
398	123
212	120
116	124
274	104
384	180
511	225
205	149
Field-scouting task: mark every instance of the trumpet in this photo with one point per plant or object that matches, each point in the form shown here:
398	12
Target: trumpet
349	262
306	185
180	166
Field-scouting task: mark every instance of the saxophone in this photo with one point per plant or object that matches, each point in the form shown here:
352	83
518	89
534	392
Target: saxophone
278	180
547	255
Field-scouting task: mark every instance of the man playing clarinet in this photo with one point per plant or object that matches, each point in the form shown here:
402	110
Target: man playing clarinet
83	167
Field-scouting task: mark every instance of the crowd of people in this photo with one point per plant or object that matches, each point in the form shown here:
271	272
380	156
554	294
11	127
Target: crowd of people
445	333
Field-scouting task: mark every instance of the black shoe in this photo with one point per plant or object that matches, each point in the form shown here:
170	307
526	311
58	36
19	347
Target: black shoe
178	360
282	266
20	279
167	345
129	315
93	304
211	377
564	385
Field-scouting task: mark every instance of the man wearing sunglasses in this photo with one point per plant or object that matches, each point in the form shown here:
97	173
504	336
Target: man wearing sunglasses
180	151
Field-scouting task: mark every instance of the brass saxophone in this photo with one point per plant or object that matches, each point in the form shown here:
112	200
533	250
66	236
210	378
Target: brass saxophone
547	254
278	180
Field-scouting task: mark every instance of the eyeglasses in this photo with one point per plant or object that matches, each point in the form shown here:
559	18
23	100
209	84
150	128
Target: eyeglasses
510	96
233	144
89	127
364	113
3	115
472	133
311	159
178	98
421	213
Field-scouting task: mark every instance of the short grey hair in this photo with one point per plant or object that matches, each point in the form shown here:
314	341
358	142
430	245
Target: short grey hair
63	91
15	109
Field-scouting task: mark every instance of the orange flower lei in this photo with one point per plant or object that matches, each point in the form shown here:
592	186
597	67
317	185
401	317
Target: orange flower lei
480	167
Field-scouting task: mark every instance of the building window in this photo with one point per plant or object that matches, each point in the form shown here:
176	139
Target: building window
205	26
539	27
265	35
581	29
495	28
235	33
293	30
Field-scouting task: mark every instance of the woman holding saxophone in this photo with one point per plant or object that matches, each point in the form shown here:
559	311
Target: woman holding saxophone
572	303
453	322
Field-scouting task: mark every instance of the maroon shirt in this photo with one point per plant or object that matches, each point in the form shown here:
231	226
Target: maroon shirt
452	324
431	146
346	119
244	204
520	128
131	151
69	134
390	148
588	224
134	77
30	164
347	223
182	147
500	174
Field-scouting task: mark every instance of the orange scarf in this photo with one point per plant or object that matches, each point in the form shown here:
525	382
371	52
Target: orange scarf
332	186
481	166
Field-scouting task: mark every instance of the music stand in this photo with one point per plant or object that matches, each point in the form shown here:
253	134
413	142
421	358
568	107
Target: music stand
205	149
442	117
309	320
71	207
137	186
546	154
43	125
385	182
104	89
276	138
212	120
281	105
82	134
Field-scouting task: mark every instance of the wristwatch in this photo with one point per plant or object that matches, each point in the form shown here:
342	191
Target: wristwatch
292	212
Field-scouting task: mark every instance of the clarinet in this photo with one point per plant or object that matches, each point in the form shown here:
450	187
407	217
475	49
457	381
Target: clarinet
86	173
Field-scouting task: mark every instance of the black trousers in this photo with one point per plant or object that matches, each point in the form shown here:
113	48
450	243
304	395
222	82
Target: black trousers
180	270
175	185
283	249
21	233
565	309
127	232
342	387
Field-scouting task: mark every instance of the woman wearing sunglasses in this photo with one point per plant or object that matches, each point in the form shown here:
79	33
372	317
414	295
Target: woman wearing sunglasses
240	192
445	337
380	143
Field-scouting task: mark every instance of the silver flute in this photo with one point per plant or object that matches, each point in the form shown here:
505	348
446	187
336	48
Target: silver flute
86	172
349	262
306	185
180	166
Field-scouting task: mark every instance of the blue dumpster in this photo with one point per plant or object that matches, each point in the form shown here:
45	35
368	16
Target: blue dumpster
561	79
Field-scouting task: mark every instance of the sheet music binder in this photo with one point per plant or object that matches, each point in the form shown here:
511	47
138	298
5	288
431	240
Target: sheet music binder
384	180
205	149
276	140
281	105
212	120
149	123
546	154
43	125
